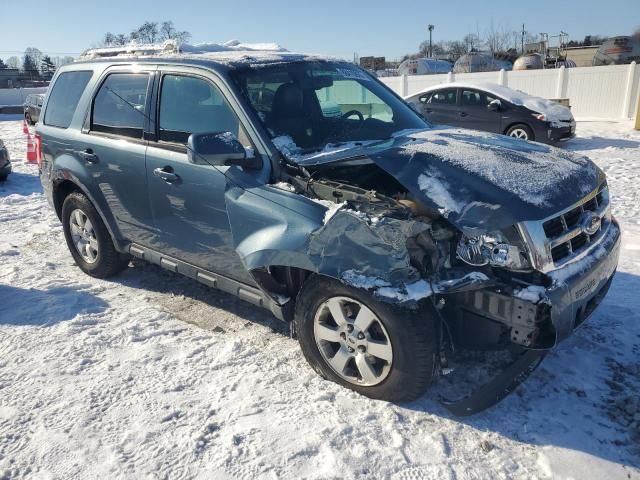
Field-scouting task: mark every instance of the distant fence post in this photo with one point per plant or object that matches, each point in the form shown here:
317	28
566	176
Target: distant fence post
561	86
502	77
404	88
631	75
637	126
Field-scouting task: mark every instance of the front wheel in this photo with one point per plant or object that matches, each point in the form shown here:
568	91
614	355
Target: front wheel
520	131
377	349
88	239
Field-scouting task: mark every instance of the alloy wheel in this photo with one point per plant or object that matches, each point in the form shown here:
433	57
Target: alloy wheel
83	236
352	341
519	133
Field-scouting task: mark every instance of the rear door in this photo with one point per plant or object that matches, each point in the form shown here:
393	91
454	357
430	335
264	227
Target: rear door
113	148
440	106
474	111
188	200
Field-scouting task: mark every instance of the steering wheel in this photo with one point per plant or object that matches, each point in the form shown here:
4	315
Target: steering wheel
350	113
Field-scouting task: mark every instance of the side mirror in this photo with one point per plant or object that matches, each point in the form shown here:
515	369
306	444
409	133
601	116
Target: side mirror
494	105
219	149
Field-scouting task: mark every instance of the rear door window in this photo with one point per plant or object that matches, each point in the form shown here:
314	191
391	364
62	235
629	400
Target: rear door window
64	97
119	106
475	99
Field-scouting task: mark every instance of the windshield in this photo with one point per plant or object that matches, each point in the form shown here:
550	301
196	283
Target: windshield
316	104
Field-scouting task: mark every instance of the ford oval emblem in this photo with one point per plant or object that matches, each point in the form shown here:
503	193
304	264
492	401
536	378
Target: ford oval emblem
590	223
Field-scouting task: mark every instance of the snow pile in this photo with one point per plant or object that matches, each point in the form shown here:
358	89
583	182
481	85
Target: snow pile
438	190
230	46
532	293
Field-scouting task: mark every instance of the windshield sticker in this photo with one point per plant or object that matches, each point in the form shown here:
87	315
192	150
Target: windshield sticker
353	73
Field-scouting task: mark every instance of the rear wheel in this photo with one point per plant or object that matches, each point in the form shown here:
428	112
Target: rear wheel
88	239
374	348
521	131
27	117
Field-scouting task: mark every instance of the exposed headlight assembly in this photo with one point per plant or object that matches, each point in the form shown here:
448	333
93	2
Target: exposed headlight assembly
491	249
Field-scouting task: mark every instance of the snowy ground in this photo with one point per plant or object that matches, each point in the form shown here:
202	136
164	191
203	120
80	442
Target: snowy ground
151	375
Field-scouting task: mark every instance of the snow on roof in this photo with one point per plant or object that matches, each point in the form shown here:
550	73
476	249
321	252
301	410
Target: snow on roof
229	52
554	111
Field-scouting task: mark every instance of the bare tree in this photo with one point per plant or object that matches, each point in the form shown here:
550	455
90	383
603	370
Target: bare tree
148	32
169	32
497	38
13	62
145	33
456	49
473	42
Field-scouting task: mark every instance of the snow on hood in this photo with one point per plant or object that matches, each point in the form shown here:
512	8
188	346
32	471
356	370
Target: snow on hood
478	179
554	112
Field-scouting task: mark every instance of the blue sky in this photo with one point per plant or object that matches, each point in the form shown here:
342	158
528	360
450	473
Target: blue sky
335	27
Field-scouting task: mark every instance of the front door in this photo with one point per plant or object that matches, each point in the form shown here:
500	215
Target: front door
187	199
440	107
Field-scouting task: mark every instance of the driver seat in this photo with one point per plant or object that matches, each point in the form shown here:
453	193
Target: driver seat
289	116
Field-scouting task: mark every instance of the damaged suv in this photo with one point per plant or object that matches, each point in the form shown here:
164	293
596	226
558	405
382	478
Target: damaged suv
388	245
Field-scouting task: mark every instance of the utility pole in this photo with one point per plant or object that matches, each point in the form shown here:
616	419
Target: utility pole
430	27
522	39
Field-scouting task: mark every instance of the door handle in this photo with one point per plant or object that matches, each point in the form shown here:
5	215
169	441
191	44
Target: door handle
463	114
428	110
88	155
166	174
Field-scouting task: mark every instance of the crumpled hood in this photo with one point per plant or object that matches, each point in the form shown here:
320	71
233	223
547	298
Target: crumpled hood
486	181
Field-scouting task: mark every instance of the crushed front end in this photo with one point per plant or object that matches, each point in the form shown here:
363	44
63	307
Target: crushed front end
574	255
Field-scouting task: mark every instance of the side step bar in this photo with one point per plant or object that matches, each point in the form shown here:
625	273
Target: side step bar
498	388
245	292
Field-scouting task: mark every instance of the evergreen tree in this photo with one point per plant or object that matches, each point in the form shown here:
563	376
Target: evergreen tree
47	67
29	66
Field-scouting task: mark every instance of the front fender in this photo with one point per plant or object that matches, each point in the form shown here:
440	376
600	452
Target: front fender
271	227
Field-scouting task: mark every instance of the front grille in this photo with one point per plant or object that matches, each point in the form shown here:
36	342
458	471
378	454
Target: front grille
564	233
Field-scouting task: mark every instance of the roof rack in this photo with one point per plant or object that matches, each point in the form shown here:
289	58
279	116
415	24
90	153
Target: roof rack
132	50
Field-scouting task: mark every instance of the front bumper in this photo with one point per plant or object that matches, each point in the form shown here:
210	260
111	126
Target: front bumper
540	317
579	287
561	134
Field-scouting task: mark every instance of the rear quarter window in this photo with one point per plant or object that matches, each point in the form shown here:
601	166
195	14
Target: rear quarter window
64	97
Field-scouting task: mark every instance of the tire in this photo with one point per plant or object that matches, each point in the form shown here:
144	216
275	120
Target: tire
28	119
521	132
412	335
101	259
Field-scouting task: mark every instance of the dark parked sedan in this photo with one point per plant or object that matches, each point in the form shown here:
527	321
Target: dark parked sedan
5	162
494	108
32	107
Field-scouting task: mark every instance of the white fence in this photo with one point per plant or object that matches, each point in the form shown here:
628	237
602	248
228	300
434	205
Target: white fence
16	96
598	93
